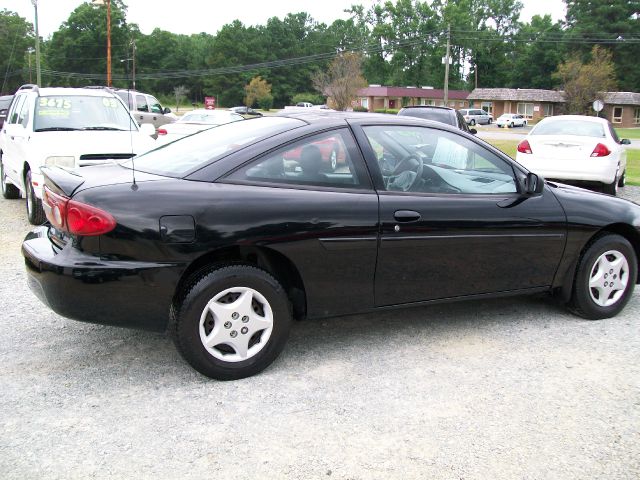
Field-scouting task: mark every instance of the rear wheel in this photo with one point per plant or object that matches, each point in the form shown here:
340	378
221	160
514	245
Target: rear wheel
623	180
490	121
35	213
9	190
511	125
605	278
233	322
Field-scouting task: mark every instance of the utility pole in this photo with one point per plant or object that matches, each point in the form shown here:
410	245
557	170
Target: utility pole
446	67
38	77
108	43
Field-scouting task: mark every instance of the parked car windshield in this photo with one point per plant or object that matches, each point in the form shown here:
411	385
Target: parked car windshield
179	158
442	116
78	112
569	127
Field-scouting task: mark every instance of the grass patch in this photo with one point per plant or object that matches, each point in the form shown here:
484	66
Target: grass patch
630	133
507	146
633	167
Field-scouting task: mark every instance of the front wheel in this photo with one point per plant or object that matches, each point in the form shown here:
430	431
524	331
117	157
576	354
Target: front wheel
233	322
472	123
35	213
9	191
605	278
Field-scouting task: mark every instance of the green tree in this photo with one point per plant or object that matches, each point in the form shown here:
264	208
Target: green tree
16	37
536	54
585	82
613	24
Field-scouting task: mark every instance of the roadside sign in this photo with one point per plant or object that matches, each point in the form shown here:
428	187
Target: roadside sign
210	103
598	105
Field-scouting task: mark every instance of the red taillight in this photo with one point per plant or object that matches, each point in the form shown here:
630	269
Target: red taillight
75	217
162	131
524	147
600	151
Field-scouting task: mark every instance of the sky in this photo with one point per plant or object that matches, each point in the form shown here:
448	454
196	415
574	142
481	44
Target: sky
195	16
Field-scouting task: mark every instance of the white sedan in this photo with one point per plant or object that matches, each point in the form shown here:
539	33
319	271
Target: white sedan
511	120
576	149
195	121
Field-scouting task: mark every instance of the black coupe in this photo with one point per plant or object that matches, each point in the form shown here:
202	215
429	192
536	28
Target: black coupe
225	236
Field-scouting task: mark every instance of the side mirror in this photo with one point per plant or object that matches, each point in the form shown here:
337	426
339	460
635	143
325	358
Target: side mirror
533	184
625	141
166	110
473	131
148	129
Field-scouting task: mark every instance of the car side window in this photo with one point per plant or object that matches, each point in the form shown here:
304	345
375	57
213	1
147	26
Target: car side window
428	160
141	103
325	160
154	105
15	109
23	117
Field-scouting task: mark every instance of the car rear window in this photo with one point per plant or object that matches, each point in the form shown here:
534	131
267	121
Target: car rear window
569	127
442	116
184	156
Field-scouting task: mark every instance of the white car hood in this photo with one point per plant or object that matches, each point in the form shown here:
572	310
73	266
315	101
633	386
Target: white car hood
90	142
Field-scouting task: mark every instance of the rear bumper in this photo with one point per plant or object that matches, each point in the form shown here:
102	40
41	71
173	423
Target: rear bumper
598	170
90	289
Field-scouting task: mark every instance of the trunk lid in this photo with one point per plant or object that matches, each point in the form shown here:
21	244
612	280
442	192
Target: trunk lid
70	182
562	147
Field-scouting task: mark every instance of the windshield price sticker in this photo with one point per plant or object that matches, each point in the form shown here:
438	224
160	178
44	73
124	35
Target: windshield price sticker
54	106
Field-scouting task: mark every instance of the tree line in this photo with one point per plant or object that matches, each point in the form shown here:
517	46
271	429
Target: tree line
401	43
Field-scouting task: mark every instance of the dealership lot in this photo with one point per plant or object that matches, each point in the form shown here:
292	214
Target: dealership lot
510	388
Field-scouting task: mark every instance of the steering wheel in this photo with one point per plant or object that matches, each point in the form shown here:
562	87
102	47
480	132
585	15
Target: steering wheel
403	177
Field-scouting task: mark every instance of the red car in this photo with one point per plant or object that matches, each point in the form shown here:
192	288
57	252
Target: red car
329	149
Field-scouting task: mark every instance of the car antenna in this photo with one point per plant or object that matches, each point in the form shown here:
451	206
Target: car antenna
134	185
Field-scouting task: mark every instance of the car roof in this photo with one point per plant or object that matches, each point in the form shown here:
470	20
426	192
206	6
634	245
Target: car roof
427	107
85	92
337	118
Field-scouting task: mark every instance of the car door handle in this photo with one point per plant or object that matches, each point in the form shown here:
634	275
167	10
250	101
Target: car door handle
406	216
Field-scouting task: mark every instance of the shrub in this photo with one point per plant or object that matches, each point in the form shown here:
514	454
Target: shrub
359	108
392	111
266	102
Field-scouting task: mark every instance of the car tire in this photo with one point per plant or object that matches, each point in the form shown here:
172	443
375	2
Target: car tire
35	212
608	257
489	122
611	188
623	179
472	123
232	322
511	125
9	191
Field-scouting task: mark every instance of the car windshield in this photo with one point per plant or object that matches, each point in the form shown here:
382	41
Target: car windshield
5	102
210	119
569	127
442	116
76	112
179	158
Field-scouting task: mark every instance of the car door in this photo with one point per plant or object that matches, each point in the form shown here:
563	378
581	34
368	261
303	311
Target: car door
156	112
452	221
324	221
15	137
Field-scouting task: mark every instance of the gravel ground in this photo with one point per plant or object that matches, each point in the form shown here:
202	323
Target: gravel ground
502	389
